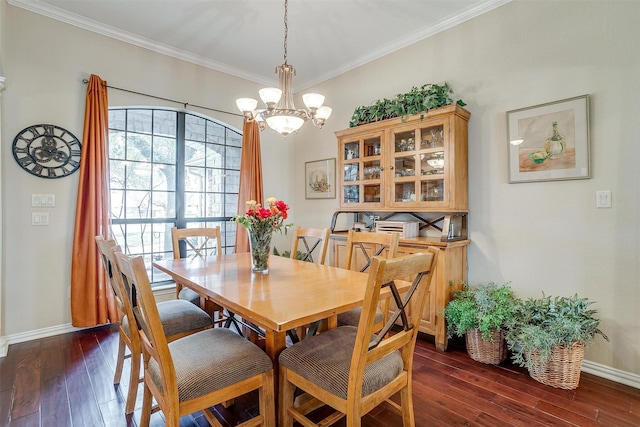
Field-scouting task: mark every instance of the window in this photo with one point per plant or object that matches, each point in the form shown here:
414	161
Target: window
170	168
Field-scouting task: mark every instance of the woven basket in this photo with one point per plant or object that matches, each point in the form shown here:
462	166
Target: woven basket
562	370
485	351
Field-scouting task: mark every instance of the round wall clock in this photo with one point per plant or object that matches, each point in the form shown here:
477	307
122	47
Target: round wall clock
47	151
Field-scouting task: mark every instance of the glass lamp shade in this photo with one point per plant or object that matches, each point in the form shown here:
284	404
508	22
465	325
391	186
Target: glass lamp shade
313	100
246	104
323	113
285	124
270	95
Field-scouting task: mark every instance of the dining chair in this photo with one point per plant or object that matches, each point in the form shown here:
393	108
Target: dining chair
314	240
361	247
178	319
354	369
196	372
200	242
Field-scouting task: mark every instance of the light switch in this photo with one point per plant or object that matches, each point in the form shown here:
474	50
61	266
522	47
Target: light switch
43	200
603	199
39	218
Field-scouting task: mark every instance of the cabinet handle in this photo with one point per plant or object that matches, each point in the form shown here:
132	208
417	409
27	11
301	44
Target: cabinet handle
391	167
381	169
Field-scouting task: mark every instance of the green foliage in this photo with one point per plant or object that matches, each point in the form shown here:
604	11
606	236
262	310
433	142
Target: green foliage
540	324
486	307
287	254
422	99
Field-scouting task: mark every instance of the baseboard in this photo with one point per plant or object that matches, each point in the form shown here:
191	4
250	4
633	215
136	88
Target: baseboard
603	371
6	341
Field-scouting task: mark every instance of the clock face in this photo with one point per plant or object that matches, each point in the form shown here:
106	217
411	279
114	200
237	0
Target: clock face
47	151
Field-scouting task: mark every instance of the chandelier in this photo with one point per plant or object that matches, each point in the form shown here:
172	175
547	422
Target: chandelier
281	114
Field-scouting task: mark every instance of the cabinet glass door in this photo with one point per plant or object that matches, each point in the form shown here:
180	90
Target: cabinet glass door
361	171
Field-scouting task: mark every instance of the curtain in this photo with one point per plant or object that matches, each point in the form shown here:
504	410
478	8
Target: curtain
250	177
91	296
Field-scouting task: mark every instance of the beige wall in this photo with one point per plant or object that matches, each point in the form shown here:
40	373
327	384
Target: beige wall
545	236
44	85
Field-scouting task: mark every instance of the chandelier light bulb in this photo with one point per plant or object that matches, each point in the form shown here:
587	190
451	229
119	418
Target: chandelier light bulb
270	96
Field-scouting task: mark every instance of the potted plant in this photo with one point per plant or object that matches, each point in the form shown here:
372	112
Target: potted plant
480	314
548	335
417	100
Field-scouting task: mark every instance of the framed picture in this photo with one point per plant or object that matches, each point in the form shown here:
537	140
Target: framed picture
550	141
320	179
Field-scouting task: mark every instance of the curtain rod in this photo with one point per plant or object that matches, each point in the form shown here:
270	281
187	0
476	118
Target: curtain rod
85	81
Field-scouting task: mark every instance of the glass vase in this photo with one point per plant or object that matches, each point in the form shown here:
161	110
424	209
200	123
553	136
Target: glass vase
260	245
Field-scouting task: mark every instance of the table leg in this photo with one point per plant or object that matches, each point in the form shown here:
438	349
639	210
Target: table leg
275	342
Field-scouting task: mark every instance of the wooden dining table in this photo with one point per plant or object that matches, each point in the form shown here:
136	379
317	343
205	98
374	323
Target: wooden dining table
292	294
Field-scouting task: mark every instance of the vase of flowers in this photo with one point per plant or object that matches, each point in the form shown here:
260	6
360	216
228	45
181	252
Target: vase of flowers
260	223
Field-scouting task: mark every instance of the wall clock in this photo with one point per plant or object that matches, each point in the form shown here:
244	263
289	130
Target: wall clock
47	151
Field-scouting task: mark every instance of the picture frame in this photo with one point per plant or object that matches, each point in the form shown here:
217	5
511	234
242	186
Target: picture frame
320	179
537	154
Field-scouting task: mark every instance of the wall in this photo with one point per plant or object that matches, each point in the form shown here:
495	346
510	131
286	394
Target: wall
44	85
543	236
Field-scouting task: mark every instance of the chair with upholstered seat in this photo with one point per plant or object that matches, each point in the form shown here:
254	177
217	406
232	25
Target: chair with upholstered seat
311	245
196	372
178	319
199	242
361	247
353	369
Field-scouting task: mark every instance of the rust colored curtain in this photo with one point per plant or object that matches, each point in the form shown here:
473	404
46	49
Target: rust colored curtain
91	296
250	178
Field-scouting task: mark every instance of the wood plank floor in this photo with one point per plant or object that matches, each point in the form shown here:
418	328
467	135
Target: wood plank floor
67	380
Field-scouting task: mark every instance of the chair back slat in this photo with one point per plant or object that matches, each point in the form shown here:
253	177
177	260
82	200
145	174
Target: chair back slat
196	242
314	240
365	246
108	249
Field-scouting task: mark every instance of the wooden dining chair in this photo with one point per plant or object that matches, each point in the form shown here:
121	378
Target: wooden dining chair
313	241
178	319
200	242
353	370
196	372
361	248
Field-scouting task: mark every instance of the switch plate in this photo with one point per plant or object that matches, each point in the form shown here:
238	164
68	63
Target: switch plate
43	200
603	199
39	218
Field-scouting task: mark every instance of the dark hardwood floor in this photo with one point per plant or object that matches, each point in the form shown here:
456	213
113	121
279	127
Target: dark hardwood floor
67	380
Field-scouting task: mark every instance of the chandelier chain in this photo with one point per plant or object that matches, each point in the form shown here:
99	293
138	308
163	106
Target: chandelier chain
286	28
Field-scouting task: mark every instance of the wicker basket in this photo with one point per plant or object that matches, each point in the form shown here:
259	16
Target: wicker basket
486	351
562	370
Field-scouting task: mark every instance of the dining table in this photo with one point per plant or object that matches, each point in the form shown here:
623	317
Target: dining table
291	294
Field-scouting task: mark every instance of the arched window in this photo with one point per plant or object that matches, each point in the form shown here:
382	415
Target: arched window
170	168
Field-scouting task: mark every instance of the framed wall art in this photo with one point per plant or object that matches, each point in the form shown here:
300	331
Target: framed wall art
550	141
320	179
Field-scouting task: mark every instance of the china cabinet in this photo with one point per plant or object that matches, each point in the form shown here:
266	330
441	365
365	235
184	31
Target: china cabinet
414	163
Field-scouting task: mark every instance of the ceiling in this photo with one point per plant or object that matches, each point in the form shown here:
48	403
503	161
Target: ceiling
246	37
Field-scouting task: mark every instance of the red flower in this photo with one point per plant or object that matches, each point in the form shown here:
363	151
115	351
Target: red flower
282	206
264	213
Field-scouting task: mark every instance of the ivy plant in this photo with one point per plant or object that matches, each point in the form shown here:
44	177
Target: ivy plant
417	100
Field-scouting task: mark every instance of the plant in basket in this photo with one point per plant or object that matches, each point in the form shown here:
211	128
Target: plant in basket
548	335
480	314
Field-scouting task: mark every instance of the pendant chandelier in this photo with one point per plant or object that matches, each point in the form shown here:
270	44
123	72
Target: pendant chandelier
281	114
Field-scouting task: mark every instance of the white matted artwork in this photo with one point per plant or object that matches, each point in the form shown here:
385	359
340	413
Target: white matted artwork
320	179
550	141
